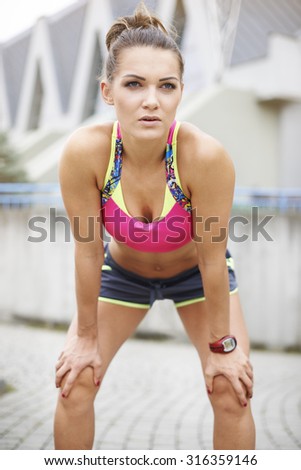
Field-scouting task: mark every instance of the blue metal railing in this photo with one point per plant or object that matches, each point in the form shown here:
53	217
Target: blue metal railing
30	194
280	199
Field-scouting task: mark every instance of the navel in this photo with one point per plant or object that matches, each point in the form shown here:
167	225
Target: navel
158	267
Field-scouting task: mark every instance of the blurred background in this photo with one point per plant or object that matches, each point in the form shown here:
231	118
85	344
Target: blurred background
243	86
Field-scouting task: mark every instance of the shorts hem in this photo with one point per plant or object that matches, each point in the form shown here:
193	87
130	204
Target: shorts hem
199	299
234	291
123	303
189	302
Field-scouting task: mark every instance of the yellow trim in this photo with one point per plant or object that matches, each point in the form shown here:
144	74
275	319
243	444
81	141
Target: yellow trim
230	263
105	267
112	156
189	302
147	306
169	202
123	303
199	299
117	197
234	291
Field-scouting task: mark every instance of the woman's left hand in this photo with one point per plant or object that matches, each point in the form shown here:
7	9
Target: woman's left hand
236	367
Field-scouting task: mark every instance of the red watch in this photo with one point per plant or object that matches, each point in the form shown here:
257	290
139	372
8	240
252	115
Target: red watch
224	345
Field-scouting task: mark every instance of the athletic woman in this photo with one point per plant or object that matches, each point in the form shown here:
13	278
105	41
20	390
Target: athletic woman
163	191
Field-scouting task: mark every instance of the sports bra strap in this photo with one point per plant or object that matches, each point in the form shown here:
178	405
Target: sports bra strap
118	131
171	131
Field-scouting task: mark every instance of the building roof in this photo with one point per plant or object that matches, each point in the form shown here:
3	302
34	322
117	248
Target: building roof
65	34
257	20
14	54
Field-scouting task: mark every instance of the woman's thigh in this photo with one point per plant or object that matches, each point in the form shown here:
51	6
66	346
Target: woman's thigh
195	320
115	323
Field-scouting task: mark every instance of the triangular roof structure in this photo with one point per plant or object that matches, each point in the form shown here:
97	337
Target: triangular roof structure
48	74
39	92
258	19
13	57
65	33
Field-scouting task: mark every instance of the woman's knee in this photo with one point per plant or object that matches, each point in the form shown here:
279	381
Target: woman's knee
82	393
223	397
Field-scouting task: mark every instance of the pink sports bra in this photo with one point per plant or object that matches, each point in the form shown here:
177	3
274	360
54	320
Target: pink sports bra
172	229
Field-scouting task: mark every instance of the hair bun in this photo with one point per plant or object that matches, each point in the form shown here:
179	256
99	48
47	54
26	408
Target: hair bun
141	18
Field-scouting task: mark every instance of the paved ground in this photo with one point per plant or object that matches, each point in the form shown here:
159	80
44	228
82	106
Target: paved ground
152	398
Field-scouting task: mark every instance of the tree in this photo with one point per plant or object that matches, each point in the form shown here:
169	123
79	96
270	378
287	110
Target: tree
10	170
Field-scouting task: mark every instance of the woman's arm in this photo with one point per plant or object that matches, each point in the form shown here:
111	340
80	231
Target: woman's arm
211	184
82	202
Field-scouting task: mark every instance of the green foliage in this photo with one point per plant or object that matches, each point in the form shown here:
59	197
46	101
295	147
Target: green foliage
10	170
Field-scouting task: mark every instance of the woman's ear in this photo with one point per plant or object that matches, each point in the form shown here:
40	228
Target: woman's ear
106	92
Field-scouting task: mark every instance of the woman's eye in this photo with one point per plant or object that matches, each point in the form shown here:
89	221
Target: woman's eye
132	84
169	86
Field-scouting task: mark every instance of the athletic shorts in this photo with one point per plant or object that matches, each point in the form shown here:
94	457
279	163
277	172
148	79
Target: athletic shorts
122	287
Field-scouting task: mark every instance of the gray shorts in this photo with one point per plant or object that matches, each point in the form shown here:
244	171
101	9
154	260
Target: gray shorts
123	287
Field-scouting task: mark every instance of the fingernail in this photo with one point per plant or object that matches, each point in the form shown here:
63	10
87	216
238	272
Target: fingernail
245	404
97	383
63	395
209	391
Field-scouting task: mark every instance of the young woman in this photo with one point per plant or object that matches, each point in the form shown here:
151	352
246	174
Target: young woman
163	191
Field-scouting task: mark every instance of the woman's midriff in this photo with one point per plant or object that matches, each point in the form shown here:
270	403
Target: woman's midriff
159	265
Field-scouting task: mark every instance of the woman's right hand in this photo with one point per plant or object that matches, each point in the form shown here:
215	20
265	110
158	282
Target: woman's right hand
80	352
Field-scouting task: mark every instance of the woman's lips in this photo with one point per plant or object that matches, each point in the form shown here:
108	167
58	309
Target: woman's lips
149	118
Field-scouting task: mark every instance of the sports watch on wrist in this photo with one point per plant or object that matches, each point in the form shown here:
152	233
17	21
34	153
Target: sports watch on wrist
224	345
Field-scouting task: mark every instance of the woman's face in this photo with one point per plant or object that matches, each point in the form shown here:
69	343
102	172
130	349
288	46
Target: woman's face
146	91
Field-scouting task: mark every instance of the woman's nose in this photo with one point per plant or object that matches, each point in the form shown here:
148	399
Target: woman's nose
150	99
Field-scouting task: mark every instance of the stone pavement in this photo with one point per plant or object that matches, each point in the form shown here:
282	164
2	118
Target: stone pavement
153	396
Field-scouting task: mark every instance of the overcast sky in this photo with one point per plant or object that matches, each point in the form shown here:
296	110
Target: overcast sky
18	15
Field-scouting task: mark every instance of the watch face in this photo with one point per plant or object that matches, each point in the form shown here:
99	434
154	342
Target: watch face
229	344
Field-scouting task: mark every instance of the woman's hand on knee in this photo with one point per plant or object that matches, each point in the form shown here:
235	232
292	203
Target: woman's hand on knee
236	367
79	353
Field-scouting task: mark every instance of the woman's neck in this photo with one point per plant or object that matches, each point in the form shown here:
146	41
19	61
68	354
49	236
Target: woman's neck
144	152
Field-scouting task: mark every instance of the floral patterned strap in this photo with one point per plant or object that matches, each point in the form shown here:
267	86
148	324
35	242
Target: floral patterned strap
174	188
115	173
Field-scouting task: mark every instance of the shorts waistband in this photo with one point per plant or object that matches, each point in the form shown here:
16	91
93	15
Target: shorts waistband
154	284
146	281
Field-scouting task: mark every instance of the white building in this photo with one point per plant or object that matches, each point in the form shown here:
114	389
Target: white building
242	85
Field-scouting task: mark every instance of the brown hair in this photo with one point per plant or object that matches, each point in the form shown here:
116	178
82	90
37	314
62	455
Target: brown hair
140	29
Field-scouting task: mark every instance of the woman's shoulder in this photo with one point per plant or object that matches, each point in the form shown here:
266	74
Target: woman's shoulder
200	153
197	144
89	140
88	148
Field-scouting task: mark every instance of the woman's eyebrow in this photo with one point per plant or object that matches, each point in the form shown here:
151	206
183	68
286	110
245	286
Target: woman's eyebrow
168	78
133	75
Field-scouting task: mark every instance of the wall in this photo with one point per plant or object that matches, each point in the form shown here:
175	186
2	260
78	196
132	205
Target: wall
248	130
37	279
277	75
290	142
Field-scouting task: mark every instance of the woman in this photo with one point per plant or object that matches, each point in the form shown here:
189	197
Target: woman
166	194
